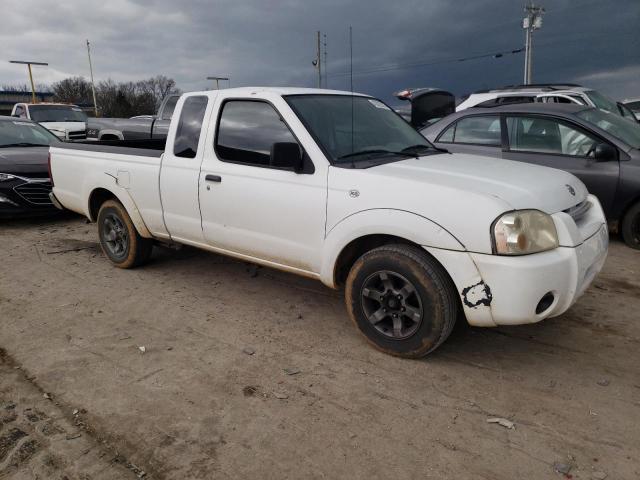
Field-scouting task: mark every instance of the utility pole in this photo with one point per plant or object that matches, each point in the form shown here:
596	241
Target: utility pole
28	64
318	61
217	79
93	87
326	76
533	21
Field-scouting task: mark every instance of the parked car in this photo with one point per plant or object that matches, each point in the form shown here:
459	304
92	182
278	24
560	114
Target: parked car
336	186
600	148
134	128
633	104
544	93
65	121
24	173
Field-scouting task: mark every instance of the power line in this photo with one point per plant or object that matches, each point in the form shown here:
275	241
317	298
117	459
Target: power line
429	63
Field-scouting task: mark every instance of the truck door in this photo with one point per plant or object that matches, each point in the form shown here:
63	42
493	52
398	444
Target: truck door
252	207
180	171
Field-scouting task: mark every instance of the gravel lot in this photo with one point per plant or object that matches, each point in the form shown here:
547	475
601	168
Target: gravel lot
254	373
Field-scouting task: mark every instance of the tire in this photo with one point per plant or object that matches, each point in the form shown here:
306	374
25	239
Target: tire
630	227
119	239
405	281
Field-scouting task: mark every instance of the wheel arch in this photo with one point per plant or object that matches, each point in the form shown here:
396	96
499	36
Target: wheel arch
99	195
110	135
363	231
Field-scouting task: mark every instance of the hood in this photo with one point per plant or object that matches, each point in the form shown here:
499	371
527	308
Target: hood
519	185
461	193
65	126
27	161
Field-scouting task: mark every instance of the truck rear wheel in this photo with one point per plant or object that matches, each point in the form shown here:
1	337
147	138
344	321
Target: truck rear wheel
119	239
402	300
630	227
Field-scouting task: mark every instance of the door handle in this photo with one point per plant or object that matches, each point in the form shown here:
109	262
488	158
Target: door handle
213	178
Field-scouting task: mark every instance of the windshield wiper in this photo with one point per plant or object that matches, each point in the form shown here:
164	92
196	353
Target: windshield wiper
376	151
420	146
23	144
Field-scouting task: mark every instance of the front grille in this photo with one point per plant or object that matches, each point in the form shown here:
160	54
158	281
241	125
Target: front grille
579	210
36	193
79	135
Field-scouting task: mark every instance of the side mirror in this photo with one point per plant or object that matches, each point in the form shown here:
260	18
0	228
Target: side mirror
604	152
287	155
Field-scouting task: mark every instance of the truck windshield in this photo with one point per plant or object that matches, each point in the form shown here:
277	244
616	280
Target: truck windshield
626	130
56	113
351	128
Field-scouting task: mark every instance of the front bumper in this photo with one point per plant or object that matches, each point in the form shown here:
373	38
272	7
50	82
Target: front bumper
507	290
518	284
25	197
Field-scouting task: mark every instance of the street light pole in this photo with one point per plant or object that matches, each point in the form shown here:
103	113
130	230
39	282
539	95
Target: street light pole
28	64
93	87
217	79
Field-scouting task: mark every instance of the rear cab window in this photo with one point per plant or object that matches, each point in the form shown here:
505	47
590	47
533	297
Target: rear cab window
188	132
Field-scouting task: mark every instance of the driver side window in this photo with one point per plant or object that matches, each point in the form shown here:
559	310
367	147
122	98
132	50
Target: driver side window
247	131
548	135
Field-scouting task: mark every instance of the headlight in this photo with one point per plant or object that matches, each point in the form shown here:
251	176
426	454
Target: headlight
5	177
524	231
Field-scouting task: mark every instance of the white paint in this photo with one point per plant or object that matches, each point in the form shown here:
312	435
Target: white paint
300	223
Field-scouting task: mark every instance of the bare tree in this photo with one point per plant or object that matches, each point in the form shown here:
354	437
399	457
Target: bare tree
115	99
16	88
72	90
159	87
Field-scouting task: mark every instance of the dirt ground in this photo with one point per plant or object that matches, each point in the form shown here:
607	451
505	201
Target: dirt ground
253	373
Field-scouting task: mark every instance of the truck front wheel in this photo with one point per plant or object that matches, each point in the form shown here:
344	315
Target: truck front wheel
402	300
119	239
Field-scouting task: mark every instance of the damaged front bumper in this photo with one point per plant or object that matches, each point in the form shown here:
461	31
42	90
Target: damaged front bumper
501	290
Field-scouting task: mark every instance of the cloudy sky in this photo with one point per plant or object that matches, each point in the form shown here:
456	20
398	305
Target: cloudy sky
269	42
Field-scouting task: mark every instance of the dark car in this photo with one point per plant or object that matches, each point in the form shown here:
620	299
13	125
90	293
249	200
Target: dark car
24	171
600	148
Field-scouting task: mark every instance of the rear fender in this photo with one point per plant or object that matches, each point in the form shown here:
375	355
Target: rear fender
110	184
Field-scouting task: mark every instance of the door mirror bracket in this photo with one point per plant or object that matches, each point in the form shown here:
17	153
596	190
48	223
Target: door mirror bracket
287	155
604	153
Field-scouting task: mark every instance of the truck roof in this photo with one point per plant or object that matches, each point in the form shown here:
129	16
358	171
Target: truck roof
47	104
283	91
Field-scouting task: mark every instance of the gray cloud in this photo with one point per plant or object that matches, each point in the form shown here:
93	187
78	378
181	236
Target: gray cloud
267	42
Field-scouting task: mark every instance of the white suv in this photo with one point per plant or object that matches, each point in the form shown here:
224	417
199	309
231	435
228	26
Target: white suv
546	93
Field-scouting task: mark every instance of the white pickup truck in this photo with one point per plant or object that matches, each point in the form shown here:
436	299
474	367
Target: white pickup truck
336	186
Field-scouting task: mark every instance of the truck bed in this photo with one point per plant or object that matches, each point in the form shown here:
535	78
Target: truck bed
147	147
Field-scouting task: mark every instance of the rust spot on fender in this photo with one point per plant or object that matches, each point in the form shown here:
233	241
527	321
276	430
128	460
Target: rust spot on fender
476	295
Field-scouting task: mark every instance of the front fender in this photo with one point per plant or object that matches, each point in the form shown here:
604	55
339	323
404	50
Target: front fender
399	223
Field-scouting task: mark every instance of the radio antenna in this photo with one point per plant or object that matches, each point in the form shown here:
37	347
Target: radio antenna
351	74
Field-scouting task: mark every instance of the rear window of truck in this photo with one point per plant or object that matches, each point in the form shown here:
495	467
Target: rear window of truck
188	132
